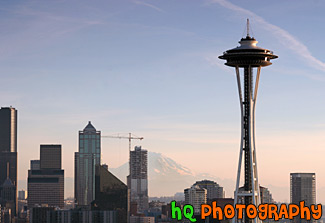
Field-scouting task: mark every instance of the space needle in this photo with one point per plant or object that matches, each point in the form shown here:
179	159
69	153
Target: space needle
247	59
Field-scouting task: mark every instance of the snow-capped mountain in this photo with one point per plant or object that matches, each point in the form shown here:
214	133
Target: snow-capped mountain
166	176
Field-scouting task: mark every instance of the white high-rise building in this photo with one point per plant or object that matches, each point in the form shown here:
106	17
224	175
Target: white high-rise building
195	196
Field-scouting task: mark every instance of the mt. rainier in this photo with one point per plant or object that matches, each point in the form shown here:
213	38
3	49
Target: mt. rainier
167	177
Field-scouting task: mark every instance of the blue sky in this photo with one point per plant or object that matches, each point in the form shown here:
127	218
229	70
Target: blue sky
150	67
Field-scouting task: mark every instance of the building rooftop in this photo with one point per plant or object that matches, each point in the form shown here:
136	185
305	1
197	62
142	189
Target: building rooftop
7	183
89	128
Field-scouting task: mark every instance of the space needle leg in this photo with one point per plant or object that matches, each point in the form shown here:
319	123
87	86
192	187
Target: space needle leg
241	140
254	146
255	184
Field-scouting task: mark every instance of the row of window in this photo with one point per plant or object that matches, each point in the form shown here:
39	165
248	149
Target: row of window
89	136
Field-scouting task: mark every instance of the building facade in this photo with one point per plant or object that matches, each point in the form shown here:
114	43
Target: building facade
195	196
214	190
35	164
82	216
142	219
266	196
111	194
303	188
8	156
39	214
50	157
5	215
138	178
86	159
22	195
46	185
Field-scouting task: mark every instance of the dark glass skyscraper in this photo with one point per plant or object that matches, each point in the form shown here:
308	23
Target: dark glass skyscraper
111	194
303	188
86	160
8	130
8	155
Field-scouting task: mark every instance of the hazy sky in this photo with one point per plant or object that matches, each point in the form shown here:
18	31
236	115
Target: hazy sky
150	67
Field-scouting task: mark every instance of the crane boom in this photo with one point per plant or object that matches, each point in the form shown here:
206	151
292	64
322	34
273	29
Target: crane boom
130	137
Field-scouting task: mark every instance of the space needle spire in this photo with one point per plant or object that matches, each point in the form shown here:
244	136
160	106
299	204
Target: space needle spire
247	59
247	27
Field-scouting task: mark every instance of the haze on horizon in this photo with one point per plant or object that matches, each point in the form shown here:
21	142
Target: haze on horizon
151	68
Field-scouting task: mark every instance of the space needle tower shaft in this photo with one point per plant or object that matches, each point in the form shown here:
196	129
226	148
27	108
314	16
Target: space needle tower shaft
249	59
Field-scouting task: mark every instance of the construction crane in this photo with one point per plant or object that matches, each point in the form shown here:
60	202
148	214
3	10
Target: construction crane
130	137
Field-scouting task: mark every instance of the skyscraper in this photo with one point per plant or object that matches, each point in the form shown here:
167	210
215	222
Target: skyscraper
8	154
138	178
46	184
195	196
213	189
86	160
50	157
8	130
303	188
111	194
8	194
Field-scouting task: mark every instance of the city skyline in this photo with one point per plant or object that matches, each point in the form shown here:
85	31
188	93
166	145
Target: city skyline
151	68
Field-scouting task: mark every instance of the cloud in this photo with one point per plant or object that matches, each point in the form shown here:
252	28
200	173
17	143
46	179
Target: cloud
213	60
148	5
39	28
282	35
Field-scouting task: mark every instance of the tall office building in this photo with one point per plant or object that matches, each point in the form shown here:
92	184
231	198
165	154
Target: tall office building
8	194
8	130
8	155
46	184
195	196
111	194
86	160
138	178
303	188
213	189
50	157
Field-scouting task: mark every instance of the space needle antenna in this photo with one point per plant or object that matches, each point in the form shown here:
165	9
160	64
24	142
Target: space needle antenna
247	27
